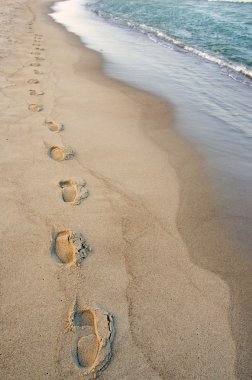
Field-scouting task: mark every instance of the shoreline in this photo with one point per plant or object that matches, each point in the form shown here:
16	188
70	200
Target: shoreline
220	137
142	218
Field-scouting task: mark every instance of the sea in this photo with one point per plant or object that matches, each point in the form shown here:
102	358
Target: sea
196	54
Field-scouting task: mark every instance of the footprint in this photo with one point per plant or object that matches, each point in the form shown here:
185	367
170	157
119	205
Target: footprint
95	332
39	58
33	81
38	72
60	153
36	64
73	192
53	126
35	53
35	107
40	49
34	92
69	247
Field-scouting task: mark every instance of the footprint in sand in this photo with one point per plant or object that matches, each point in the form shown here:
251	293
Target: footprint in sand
73	192
69	247
33	81
59	153
36	64
38	72
35	107
95	332
53	126
39	58
39	49
35	53
34	92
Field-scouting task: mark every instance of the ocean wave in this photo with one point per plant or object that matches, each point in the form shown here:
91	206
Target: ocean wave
158	36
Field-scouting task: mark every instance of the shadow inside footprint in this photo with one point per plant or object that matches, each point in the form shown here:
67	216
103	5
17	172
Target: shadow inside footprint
69	191
69	247
73	192
87	344
94	329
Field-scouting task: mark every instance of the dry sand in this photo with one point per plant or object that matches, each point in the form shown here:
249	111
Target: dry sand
113	256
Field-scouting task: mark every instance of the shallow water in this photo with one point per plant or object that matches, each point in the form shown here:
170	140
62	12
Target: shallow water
215	30
213	110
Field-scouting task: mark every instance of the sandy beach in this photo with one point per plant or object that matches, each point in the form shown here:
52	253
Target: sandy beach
114	258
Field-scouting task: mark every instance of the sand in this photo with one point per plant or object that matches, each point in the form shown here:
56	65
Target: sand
114	258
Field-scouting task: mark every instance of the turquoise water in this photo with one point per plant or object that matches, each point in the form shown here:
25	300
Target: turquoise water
219	31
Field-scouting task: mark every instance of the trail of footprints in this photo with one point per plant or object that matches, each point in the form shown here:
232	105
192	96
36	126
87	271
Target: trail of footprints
93	327
34	107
